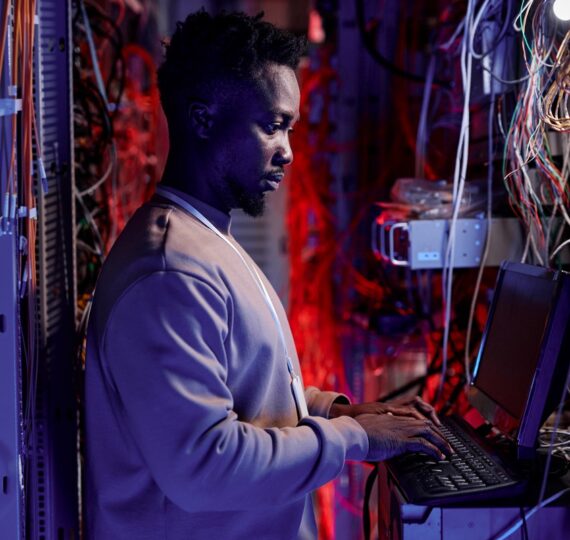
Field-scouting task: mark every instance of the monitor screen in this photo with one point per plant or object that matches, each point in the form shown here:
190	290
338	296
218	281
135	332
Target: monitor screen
514	336
520	373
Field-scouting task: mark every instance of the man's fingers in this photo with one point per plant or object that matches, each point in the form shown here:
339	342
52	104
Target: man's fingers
407	411
430	411
435	428
426	429
391	434
434	417
435	436
419	444
427	410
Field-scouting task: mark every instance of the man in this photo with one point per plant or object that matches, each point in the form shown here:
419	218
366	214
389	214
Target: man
197	423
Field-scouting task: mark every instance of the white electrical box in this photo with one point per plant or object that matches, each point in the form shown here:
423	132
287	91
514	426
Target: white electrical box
422	244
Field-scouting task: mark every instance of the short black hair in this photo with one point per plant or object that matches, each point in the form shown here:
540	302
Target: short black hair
206	49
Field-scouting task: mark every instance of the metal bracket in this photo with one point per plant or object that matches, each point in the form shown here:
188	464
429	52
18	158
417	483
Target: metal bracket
392	257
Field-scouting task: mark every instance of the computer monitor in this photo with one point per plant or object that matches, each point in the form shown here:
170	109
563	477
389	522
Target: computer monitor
523	360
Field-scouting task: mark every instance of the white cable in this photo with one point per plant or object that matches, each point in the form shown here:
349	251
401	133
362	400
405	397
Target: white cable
524	8
459	175
553	435
422	124
298	395
90	219
474	27
487	237
560	246
93	52
564	212
565	432
102	180
541	501
81	244
453	37
531	512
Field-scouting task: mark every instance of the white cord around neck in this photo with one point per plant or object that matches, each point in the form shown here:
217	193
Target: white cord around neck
295	379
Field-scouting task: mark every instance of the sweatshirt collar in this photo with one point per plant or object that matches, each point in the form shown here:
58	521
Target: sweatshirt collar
219	219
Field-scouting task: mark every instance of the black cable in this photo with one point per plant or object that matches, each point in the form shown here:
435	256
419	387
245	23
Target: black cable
405	387
433	368
455	393
366	503
524	528
368	43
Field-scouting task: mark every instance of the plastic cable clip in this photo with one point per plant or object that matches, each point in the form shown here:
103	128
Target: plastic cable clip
24	211
13	205
10	106
24	282
43	176
23	245
6	206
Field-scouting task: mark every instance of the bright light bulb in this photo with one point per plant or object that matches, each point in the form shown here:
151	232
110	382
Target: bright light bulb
561	9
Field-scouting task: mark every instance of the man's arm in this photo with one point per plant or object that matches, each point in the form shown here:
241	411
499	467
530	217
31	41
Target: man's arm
164	349
320	402
165	355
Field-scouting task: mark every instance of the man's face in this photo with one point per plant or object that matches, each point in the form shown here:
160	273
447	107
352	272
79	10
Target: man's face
251	139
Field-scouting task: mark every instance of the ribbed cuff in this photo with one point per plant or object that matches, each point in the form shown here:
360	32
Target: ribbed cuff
357	444
320	402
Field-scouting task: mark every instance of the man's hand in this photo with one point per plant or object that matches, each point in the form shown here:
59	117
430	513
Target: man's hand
390	436
412	407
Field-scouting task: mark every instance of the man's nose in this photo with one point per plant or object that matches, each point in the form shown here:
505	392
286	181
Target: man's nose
284	153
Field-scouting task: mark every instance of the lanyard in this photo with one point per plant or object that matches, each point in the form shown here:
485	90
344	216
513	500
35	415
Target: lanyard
296	385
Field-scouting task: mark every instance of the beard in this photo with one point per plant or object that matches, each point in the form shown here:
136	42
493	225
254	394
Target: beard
253	204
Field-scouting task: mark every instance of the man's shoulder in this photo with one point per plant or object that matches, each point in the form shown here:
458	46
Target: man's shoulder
159	237
162	238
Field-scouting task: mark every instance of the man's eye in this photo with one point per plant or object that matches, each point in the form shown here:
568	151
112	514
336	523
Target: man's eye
273	127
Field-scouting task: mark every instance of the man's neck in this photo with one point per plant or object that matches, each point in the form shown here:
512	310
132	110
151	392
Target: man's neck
184	174
221	220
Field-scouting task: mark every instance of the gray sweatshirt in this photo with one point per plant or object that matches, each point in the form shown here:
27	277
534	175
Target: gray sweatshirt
191	426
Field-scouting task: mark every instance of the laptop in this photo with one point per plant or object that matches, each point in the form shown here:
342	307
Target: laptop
518	380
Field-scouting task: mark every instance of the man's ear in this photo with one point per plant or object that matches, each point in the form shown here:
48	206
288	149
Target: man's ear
201	118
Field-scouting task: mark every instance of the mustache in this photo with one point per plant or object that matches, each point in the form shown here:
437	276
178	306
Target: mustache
275	173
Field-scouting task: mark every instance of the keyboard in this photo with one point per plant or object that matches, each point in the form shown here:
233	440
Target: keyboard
473	473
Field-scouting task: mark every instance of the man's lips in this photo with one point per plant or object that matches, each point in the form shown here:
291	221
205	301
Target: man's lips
272	180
